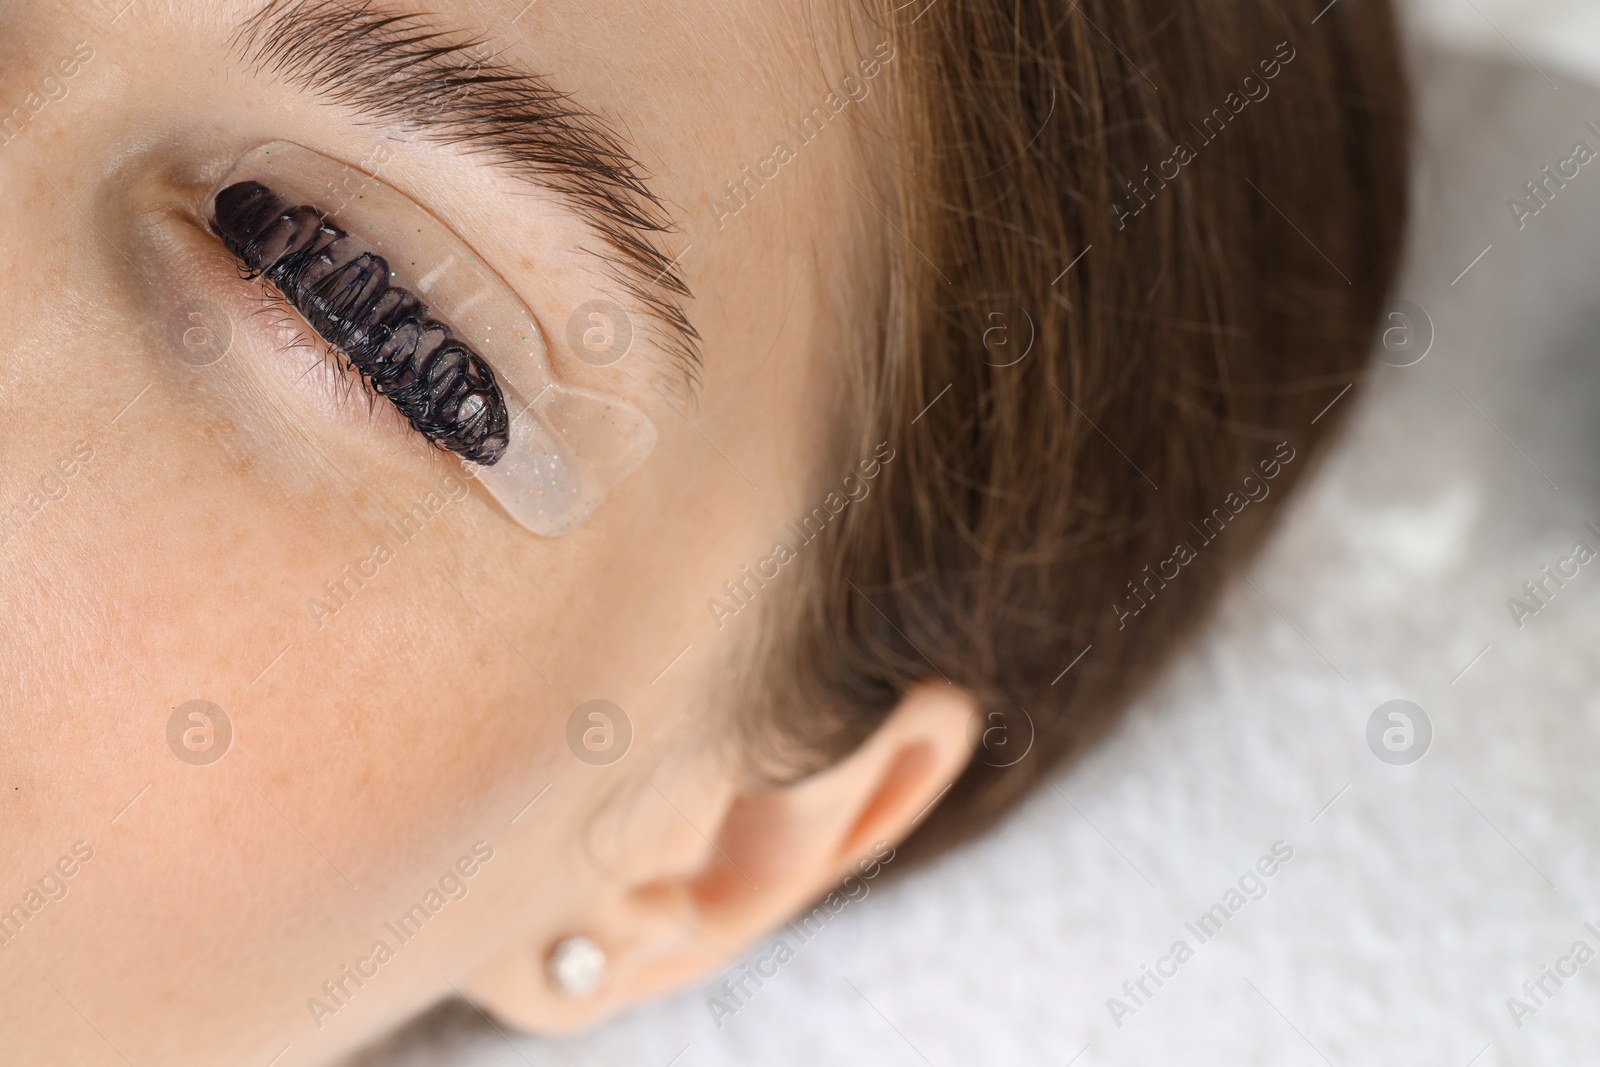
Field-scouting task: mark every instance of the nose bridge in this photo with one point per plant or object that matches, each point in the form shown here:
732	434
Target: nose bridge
38	77
67	331
47	130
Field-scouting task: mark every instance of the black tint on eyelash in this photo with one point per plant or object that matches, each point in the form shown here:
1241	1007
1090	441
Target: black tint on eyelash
443	388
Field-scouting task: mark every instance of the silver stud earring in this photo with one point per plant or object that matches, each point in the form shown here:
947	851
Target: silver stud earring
577	965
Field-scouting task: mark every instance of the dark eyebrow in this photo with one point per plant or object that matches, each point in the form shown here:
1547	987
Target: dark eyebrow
399	69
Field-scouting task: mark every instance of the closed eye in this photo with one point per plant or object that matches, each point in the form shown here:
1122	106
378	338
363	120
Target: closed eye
386	333
430	329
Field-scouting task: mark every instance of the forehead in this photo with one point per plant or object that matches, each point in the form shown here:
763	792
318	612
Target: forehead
739	113
756	125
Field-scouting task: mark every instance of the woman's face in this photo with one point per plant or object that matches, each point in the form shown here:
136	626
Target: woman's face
387	665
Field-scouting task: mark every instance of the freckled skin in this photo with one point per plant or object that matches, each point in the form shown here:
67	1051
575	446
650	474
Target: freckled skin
398	659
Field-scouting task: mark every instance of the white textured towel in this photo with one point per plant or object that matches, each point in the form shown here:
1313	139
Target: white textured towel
1418	898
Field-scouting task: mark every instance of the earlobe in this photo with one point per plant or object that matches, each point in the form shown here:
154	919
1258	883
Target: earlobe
762	856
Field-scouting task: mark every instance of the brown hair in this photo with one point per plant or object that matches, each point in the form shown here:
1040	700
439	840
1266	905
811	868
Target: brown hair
1194	211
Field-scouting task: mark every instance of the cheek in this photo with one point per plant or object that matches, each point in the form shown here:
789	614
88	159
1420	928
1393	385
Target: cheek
179	567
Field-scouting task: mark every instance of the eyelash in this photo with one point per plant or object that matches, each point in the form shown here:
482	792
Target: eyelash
439	384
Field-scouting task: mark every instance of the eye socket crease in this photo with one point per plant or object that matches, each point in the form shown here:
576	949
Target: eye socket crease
398	69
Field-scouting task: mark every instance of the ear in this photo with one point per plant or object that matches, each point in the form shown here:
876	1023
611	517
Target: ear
747	861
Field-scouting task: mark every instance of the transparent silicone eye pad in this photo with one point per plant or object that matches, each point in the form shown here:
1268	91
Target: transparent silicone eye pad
430	328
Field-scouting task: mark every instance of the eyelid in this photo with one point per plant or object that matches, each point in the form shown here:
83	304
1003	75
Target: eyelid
436	380
568	446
